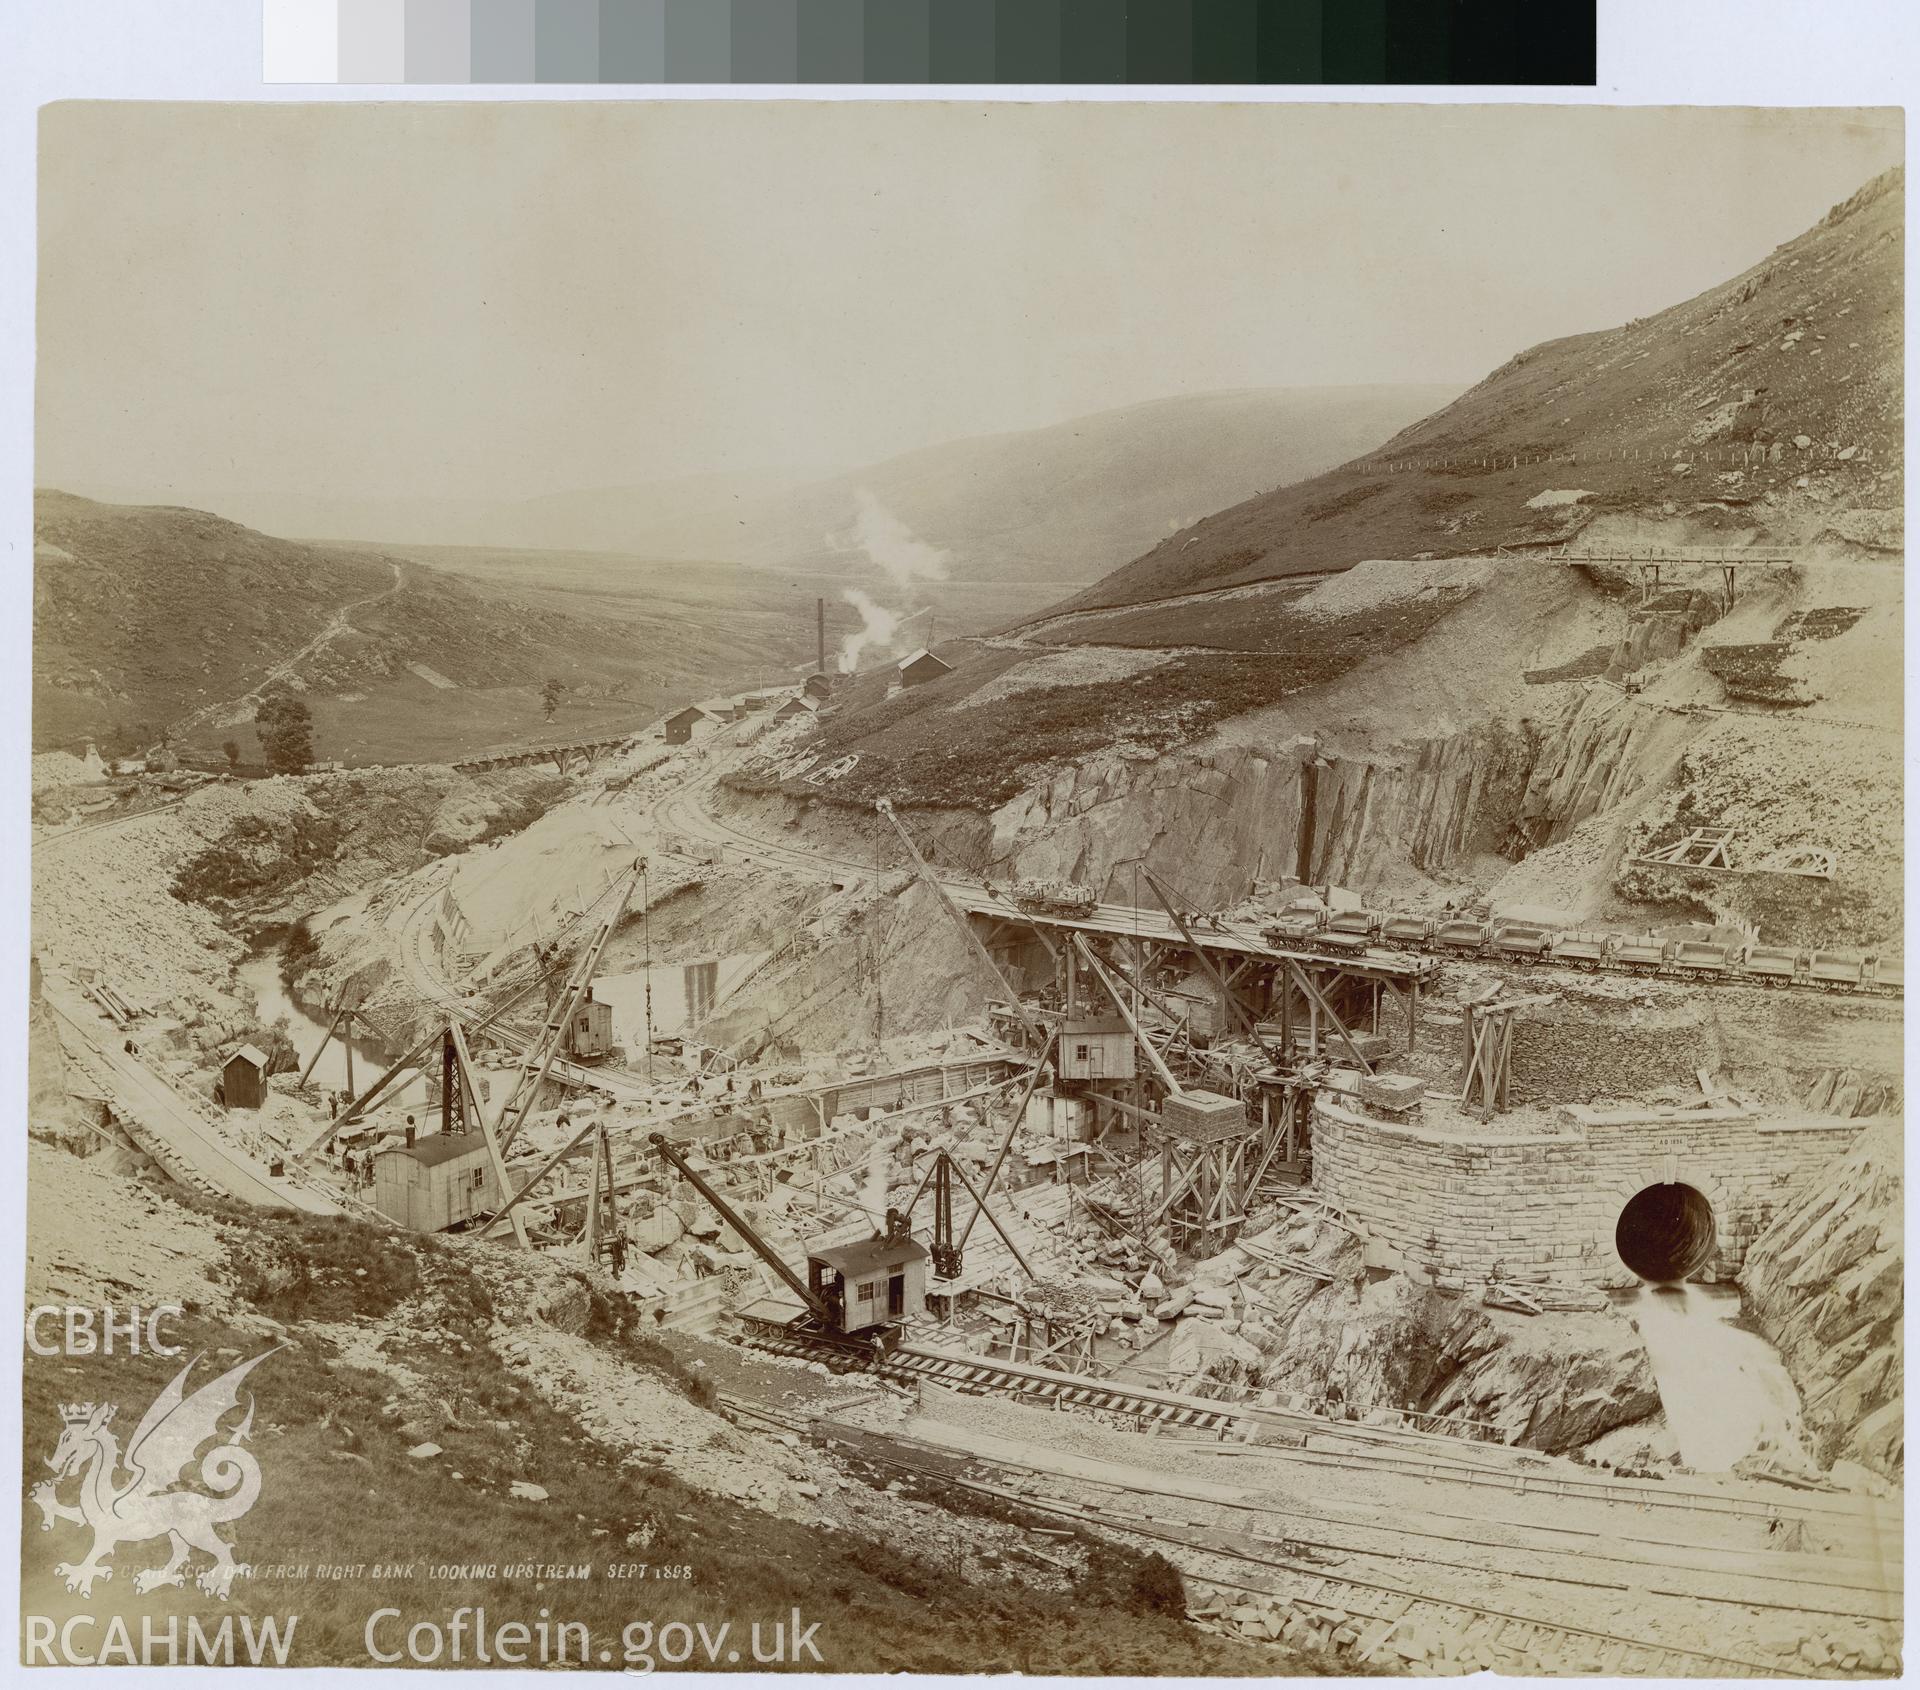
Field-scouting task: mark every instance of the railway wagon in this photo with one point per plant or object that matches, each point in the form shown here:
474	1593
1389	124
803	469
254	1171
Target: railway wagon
1523	942
1460	935
1413	931
1702	957
1646	952
1836	970
1364	923
1291	931
1775	965
1588	951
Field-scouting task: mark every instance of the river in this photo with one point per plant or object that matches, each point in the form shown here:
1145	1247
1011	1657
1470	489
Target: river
261	971
1725	1391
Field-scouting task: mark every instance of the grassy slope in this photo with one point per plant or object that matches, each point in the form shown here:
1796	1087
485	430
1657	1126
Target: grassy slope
924	747
1709	371
339	1488
144	614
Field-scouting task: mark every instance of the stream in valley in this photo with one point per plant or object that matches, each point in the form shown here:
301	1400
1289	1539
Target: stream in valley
261	972
1725	1390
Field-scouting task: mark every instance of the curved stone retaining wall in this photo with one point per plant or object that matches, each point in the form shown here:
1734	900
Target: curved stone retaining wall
1543	1206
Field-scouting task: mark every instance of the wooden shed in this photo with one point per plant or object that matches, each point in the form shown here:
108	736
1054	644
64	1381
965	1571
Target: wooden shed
435	1182
1096	1050
684	725
819	686
800	705
243	1079
590	1038
873	1283
918	667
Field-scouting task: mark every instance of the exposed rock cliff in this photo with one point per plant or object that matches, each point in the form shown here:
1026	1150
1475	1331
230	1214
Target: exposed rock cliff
1825	1283
1218	819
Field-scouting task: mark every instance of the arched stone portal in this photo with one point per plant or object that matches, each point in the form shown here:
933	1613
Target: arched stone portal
1666	1232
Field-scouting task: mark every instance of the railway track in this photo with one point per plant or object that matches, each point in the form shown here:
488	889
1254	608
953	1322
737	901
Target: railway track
1331	1444
975	1377
1371	1611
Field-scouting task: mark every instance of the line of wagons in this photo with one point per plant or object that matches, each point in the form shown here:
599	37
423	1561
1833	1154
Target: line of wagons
1352	932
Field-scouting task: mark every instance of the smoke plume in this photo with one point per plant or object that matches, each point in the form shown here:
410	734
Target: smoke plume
877	628
905	560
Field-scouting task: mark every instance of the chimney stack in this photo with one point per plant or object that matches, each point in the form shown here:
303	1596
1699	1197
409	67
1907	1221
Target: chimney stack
820	634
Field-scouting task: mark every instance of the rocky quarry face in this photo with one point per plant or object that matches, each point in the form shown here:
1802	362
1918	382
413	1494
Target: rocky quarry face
1382	1343
1826	1286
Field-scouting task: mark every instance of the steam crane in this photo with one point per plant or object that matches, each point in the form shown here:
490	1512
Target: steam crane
855	1288
850	1289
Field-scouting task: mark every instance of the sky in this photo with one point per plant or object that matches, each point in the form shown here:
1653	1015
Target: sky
474	302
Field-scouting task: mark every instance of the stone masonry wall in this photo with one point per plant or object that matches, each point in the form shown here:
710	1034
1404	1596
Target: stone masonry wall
1543	1206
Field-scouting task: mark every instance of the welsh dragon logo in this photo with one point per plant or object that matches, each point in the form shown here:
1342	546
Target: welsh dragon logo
141	1494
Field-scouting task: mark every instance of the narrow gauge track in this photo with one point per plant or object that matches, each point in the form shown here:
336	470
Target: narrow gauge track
980	1378
1474	1626
686	810
1341	1445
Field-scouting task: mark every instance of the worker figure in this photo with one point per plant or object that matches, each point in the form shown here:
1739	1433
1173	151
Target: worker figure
617	1248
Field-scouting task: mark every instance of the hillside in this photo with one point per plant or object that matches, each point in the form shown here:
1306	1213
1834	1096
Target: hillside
150	617
1056	505
1348	704
1761	407
1053	504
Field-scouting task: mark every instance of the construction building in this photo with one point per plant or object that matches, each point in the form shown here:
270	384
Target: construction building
590	1038
919	667
243	1078
435	1182
688	724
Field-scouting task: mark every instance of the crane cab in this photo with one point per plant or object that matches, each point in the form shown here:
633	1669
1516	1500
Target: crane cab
871	1284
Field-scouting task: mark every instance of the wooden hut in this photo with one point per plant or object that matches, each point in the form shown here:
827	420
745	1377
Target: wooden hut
435	1182
243	1079
919	667
686	724
590	1038
1096	1050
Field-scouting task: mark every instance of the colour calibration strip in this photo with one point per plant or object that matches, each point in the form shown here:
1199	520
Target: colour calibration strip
1144	43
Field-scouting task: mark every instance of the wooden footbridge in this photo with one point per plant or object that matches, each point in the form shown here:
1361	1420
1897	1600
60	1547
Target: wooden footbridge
562	757
1652	560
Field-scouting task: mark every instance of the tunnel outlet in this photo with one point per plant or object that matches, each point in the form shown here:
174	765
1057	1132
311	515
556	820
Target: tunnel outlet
1665	1233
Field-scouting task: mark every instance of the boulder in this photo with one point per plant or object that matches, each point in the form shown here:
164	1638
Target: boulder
1199	1345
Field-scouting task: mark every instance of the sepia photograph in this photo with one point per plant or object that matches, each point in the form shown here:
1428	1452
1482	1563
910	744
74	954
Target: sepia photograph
1104	888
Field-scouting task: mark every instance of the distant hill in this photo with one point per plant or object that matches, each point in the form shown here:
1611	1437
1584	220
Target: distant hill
1061	504
1649	419
149	617
1054	504
1765	410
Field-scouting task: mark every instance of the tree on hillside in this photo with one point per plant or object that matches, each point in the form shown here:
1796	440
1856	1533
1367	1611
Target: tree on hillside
550	696
232	749
285	729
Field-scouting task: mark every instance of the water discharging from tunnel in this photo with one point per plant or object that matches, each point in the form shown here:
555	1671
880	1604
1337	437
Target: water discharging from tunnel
1725	1391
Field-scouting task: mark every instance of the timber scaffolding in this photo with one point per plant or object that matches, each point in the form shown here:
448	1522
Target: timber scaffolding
1233	1035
